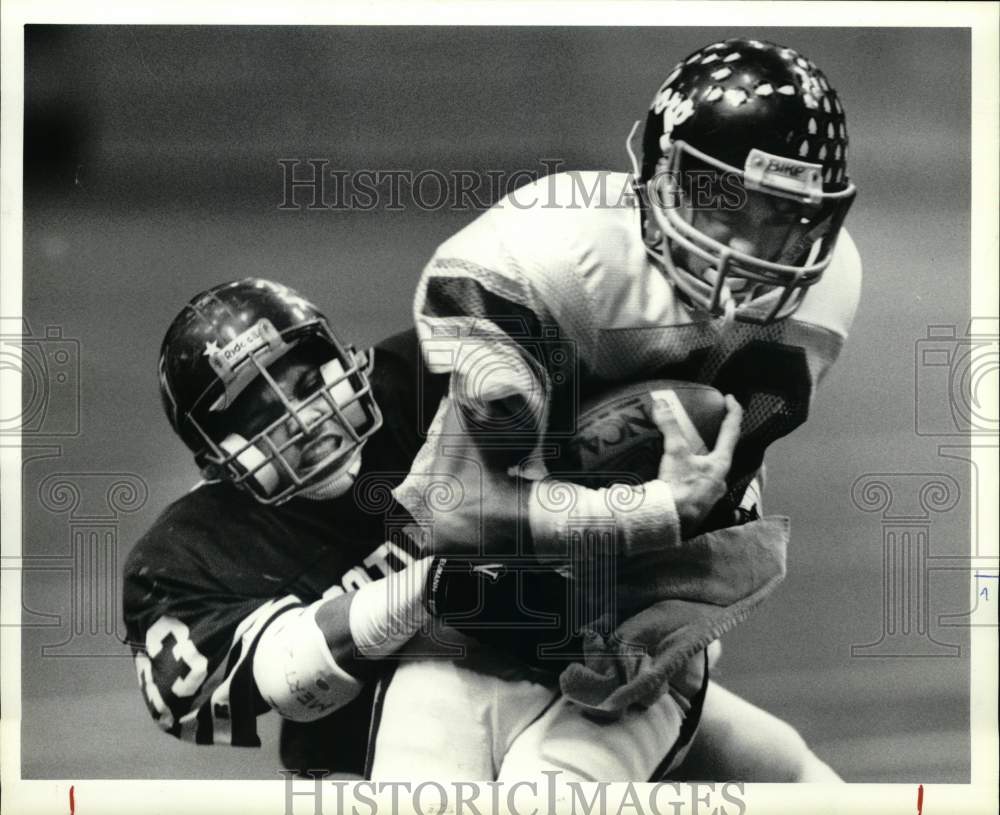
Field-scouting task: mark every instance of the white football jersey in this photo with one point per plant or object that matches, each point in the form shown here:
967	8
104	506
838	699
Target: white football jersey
559	268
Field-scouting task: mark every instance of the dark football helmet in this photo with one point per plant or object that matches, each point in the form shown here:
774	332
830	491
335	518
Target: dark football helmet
738	121
219	349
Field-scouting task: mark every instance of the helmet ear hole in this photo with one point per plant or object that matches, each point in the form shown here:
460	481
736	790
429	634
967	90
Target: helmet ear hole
251	461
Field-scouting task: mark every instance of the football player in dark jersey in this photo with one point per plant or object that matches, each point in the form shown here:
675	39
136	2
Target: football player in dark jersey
720	260
245	593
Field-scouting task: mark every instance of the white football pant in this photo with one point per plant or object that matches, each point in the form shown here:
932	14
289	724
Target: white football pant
445	720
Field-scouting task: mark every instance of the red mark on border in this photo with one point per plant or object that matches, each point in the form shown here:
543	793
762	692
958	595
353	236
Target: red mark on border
920	799
72	801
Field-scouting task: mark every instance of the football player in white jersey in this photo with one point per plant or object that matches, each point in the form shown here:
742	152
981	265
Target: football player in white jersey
721	260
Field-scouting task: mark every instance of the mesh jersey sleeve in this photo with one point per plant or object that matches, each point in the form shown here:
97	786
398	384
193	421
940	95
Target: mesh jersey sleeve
485	329
502	308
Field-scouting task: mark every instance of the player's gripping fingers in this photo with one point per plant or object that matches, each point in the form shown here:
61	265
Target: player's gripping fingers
729	435
675	443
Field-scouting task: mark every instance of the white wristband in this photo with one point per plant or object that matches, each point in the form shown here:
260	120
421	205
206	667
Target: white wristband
644	516
386	613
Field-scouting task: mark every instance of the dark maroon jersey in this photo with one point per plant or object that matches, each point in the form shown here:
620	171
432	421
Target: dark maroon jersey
216	568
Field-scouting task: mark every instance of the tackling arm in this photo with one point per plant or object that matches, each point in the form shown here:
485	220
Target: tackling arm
313	660
209	659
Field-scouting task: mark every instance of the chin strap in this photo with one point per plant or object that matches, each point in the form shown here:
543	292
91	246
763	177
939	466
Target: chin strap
729	316
333	487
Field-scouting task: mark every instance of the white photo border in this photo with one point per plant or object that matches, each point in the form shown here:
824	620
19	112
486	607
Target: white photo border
245	797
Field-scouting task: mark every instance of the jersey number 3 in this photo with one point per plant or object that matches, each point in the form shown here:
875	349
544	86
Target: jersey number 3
171	671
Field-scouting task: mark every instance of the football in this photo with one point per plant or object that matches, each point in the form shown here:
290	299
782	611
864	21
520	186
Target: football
618	440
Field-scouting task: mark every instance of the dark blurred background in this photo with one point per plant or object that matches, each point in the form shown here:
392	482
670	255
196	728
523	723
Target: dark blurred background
152	171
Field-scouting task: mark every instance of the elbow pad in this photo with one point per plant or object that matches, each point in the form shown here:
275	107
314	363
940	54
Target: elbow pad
295	672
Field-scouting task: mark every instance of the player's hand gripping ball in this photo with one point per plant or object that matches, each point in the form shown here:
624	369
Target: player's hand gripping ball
681	432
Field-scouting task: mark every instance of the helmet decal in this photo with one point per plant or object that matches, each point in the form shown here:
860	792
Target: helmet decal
675	108
261	341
